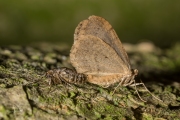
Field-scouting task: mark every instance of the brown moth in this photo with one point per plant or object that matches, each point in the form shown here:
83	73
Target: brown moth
98	53
98	57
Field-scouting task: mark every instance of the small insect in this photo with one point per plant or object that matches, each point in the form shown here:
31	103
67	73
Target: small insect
98	56
65	75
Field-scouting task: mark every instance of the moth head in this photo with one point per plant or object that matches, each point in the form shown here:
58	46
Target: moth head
134	71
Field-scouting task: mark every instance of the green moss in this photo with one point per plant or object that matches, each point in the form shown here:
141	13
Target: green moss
146	116
90	101
4	112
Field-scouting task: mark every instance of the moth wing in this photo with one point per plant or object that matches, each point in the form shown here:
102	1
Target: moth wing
99	27
91	55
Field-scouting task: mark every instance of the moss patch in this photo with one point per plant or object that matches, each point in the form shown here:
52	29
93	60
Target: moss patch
22	72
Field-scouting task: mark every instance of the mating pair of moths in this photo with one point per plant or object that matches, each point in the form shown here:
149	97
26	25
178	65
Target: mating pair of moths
98	57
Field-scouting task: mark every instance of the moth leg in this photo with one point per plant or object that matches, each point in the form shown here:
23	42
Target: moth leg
120	84
136	84
137	90
129	83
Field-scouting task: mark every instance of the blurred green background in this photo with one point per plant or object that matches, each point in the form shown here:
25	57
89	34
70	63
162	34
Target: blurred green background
29	21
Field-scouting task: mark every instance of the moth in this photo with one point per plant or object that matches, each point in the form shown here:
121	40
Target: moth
98	57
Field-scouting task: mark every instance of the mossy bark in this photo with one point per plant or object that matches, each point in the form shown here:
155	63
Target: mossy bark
26	94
